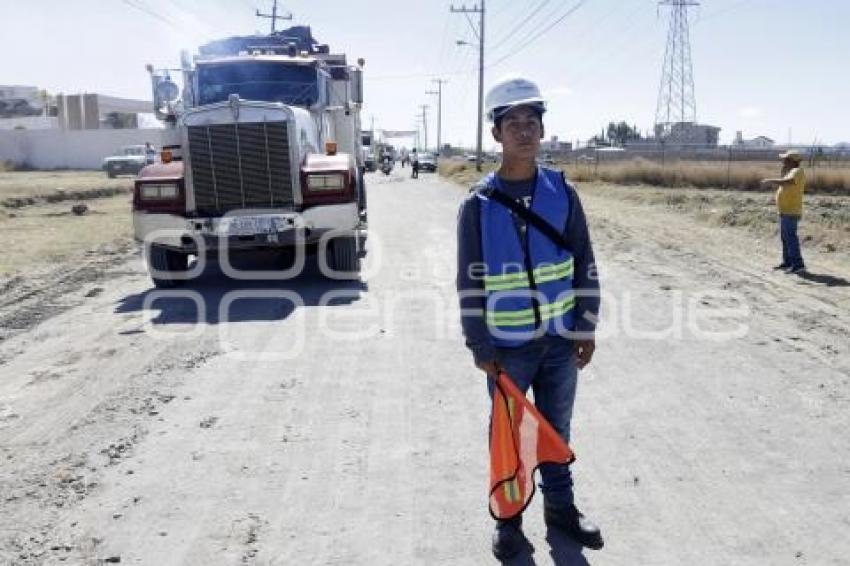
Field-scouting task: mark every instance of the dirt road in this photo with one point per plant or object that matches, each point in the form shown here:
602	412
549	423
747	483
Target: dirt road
222	428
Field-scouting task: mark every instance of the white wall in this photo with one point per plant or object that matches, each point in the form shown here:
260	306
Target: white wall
71	149
30	123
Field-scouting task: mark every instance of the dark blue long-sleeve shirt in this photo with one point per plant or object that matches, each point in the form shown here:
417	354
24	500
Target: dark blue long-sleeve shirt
470	282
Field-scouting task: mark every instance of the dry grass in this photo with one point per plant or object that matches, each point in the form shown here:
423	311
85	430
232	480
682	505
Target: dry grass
35	235
744	176
38	227
826	220
825	226
463	172
25	188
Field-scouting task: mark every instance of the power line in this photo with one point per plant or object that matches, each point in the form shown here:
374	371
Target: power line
507	18
416	76
721	11
539	34
533	12
443	40
499	9
588	67
522	37
192	18
582	39
151	13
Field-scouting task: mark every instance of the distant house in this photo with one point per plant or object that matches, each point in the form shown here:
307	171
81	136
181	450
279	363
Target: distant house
70	130
29	108
760	142
19	101
691	134
93	111
842	148
555	145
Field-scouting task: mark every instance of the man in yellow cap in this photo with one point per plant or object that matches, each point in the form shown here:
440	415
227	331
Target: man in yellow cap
789	201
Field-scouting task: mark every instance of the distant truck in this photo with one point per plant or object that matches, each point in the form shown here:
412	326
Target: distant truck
262	151
129	160
370	160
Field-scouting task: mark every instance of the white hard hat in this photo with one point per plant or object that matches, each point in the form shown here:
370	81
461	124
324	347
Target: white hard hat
510	92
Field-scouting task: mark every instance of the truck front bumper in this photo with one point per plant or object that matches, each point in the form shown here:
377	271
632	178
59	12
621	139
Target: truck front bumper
271	229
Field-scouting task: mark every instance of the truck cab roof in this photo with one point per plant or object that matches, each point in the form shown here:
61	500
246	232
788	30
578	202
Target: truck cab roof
260	57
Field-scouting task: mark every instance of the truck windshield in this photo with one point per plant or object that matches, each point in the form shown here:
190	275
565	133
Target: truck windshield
271	82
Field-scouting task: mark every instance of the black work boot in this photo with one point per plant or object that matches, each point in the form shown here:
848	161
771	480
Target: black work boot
508	539
574	524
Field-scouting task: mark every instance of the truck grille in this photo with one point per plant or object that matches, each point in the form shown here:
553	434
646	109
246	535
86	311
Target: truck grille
240	166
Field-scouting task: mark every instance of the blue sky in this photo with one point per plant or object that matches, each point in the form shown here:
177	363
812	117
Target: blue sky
767	67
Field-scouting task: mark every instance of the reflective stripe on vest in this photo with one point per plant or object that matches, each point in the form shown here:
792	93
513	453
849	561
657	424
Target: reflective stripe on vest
511	296
526	316
519	280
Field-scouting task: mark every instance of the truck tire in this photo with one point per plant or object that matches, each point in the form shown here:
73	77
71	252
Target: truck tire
165	262
361	194
110	173
343	258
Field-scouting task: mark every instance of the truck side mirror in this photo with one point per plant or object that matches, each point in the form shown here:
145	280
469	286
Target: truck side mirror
356	86
165	95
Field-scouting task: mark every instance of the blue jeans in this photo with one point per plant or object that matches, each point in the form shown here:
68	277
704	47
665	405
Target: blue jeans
791	255
548	366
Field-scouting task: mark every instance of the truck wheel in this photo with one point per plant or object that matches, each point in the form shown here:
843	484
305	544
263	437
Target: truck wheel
166	262
361	194
111	174
343	258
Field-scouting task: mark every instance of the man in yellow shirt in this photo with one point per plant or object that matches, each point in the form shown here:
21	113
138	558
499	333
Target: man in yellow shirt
789	201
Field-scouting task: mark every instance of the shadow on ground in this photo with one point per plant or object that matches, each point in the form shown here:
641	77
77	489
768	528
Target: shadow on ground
824	279
213	297
563	550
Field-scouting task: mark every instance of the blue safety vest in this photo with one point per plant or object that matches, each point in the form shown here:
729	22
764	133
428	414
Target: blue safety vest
528	283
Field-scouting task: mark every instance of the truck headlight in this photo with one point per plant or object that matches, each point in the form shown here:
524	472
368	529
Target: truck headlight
158	191
333	182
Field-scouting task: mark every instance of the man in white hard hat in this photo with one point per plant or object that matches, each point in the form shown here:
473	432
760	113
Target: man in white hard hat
529	301
789	202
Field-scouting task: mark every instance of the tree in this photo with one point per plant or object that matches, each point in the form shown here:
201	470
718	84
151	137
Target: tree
618	133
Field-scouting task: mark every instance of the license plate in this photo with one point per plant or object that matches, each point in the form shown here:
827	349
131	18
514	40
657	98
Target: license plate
251	225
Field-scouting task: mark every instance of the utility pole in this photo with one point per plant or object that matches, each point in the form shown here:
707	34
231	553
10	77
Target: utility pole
273	16
480	34
416	145
424	108
439	93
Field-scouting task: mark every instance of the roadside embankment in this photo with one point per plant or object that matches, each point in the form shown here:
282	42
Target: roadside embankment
825	227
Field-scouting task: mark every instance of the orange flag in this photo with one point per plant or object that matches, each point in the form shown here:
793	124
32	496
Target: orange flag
520	440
